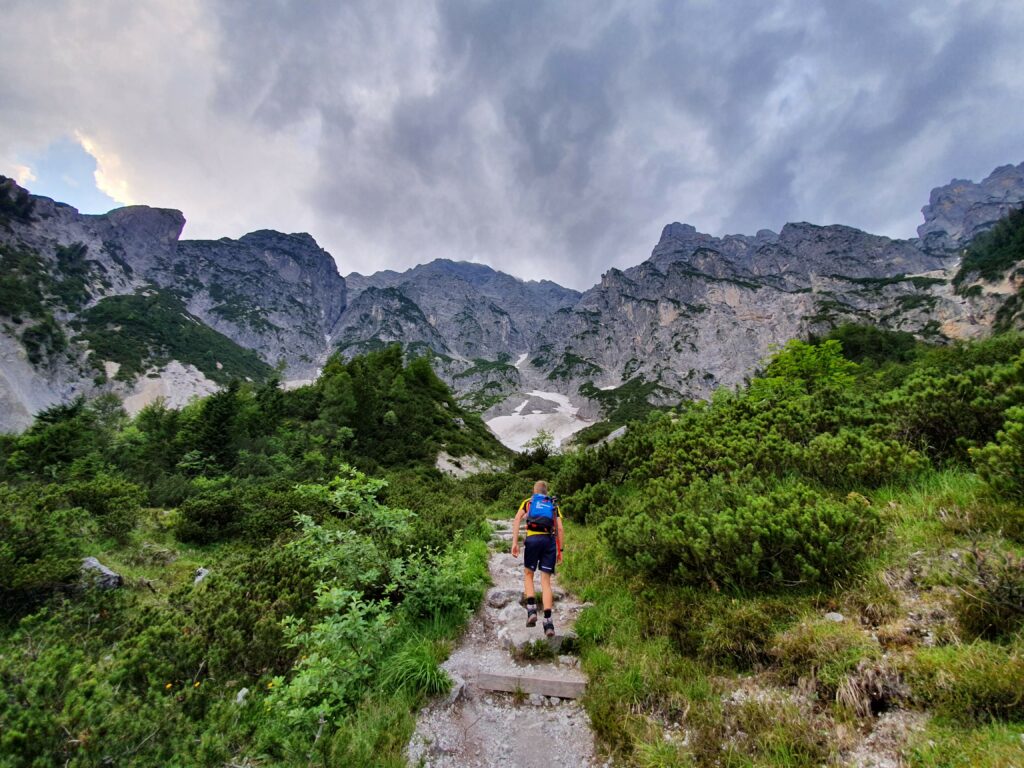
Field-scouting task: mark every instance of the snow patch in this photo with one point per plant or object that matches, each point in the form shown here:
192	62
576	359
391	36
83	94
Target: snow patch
522	359
561	418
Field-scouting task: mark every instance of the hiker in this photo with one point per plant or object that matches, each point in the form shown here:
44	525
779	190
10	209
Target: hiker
545	539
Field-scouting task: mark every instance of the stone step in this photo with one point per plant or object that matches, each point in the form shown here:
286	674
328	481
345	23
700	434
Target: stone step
518	639
498	597
543	685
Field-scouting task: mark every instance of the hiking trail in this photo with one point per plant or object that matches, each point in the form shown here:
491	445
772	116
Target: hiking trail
514	699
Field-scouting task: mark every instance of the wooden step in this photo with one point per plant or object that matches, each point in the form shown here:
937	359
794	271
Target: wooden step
545	686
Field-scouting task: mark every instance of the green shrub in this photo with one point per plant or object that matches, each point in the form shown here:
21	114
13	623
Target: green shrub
979	681
112	500
990	602
854	460
40	547
1001	464
870	344
733	535
991	254
209	516
434	586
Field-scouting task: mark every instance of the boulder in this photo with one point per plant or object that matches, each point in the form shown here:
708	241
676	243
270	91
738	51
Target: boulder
96	574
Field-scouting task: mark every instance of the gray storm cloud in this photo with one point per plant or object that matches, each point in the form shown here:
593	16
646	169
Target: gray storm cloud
546	139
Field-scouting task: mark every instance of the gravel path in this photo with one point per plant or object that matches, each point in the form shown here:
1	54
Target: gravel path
477	728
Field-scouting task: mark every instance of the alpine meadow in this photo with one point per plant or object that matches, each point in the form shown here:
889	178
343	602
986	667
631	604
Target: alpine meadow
277	479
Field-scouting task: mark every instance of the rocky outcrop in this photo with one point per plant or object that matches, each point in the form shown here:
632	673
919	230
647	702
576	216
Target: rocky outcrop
479	312
96	574
703	311
276	294
279	295
962	209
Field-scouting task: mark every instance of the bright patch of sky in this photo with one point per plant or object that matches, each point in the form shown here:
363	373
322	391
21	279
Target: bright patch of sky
65	172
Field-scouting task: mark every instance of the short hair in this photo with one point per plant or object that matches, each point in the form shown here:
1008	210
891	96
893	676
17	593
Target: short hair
540	487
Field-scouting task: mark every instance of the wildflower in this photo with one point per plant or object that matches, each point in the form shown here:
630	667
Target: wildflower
168	686
195	684
270	684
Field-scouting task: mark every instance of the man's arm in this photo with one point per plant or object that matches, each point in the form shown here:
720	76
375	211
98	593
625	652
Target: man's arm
559	536
515	530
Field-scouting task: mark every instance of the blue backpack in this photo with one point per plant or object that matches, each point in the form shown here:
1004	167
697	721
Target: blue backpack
540	515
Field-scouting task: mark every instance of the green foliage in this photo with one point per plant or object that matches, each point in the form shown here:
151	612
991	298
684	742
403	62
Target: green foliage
872	345
1001	463
112	500
40	547
993	253
15	204
573	366
626	403
802	367
741	535
153	328
28	298
416	668
852	459
23	284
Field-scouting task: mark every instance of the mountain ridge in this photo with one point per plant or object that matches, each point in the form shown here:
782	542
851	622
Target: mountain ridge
699	312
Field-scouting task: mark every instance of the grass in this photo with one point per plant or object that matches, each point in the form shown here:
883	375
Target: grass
947	744
977	682
416	667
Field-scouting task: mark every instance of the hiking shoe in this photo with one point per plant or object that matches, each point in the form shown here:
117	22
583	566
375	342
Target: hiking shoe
549	628
531	617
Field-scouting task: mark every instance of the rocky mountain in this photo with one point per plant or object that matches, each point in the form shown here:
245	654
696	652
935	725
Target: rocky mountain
703	311
116	302
119	303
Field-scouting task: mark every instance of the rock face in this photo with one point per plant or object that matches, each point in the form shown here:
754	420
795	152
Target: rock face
275	294
962	209
700	312
279	295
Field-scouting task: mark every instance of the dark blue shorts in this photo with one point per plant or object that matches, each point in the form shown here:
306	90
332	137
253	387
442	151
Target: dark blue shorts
540	551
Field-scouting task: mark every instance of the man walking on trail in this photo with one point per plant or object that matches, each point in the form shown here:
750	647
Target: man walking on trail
543	548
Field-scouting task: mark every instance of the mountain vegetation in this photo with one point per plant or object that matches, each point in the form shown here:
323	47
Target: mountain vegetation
774	569
832	548
771	571
329	593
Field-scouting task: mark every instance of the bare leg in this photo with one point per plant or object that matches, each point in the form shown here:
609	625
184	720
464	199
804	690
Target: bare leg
528	588
545	585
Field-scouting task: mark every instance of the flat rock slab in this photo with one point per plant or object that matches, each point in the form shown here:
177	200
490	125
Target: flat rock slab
564	687
492	731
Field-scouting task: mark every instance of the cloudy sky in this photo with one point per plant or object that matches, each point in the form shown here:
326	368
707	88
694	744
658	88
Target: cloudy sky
548	139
